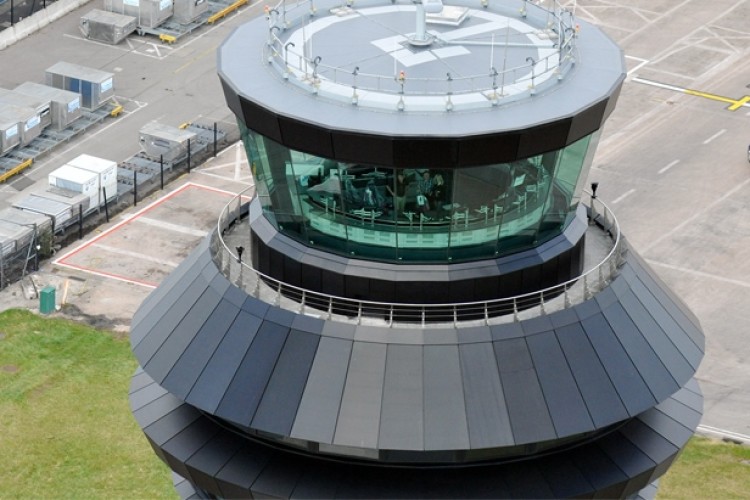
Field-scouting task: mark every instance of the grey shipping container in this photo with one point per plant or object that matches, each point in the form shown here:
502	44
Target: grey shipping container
61	213
187	11
157	139
149	13
107	27
65	106
10	133
96	87
21	217
21	235
29	123
39	104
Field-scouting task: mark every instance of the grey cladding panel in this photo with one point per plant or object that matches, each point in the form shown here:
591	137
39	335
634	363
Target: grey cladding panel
627	381
628	457
668	353
319	407
241	471
684	343
278	407
171	424
486	411
359	417
276	480
651	368
602	401
653	444
220	369
402	417
173	347
171	313
564	400
193	361
445	425
241	399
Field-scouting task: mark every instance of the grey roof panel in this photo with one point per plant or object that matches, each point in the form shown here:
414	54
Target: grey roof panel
206	462
172	311
241	398
278	406
486	410
628	382
166	427
566	406
445	425
194	359
358	422
402	415
210	386
238	474
319	406
602	400
668	353
652	369
276	480
174	346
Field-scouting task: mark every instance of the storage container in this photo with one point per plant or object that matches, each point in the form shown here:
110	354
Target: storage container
65	106
14	237
157	139
148	13
17	216
29	123
61	213
10	133
39	104
187	11
95	87
77	180
105	169
107	27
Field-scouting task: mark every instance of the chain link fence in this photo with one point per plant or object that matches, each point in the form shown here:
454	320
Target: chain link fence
13	11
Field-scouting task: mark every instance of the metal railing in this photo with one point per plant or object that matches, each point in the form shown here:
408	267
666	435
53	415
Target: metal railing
556	22
503	310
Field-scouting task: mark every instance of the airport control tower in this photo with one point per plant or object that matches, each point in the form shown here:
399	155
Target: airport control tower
421	297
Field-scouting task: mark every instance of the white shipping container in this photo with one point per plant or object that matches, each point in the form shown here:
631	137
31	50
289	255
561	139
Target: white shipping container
105	169
77	180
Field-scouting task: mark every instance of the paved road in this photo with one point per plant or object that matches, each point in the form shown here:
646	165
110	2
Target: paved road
672	164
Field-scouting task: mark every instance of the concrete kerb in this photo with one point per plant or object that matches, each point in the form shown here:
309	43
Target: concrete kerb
37	21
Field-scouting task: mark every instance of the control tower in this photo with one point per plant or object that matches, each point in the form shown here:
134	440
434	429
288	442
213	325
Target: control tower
419	297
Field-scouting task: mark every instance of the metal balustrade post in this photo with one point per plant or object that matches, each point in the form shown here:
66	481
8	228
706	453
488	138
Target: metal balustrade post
359	314
302	302
390	316
515	310
486	314
541	303
278	295
566	297
423	314
330	307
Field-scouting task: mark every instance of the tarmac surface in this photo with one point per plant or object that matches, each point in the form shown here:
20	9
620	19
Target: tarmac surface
672	164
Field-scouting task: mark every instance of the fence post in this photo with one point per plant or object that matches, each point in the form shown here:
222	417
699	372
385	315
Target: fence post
135	188
106	207
188	158
80	222
216	133
161	169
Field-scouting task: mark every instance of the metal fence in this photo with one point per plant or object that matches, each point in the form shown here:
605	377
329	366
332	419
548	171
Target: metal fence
13	11
544	301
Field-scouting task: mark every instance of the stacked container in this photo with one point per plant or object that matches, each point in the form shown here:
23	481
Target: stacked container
77	180
106	170
95	87
187	11
40	105
107	27
27	120
10	133
157	139
65	106
149	13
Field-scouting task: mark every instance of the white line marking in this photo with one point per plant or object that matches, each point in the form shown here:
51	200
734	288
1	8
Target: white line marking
717	134
743	284
137	255
643	62
227	178
724	433
672	164
657	84
172	227
623	196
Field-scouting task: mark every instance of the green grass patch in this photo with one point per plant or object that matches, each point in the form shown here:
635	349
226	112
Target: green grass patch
708	468
67	430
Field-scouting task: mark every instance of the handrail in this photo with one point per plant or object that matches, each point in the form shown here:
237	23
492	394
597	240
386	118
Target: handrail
313	72
304	301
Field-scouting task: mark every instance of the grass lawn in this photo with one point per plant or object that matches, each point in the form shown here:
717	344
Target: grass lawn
67	431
